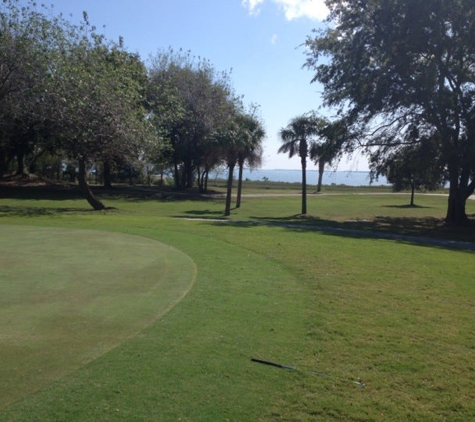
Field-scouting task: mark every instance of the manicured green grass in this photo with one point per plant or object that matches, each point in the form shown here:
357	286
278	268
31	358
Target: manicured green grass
68	296
394	314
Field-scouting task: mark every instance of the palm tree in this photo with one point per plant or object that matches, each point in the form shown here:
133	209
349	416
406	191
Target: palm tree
333	134
240	141
322	154
250	151
228	146
296	137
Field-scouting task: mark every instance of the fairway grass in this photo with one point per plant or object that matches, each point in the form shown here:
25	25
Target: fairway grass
68	296
394	314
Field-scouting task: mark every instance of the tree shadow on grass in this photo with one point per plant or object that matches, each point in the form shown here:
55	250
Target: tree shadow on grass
49	193
409	226
140	194
117	192
8	211
427	231
204	214
407	206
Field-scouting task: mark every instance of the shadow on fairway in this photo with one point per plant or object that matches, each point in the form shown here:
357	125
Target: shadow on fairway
50	193
7	211
407	206
206	214
425	231
117	192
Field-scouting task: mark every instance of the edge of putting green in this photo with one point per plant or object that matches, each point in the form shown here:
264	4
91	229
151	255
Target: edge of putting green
68	296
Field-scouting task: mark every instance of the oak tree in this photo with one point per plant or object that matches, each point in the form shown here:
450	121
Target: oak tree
392	65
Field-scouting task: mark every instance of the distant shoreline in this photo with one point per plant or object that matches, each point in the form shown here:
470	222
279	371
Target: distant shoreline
312	170
348	178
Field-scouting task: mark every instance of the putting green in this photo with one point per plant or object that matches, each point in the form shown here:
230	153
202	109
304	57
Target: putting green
68	296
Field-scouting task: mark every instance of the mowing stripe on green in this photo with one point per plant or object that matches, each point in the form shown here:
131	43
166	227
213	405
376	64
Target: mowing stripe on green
68	296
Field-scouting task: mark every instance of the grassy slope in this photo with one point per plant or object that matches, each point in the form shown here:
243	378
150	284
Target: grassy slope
396	315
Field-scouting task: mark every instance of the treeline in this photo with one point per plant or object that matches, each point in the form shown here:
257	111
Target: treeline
72	102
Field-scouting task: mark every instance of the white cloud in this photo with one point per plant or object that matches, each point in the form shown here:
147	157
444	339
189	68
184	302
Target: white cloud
274	39
253	6
293	9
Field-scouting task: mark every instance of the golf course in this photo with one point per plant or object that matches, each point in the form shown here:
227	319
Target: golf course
159	308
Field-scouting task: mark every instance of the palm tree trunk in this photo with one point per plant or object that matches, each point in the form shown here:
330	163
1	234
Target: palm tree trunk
229	189
239	187
206	181
304	185
321	169
413	188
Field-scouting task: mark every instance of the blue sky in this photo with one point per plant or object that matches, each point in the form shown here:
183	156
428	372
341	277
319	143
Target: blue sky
258	39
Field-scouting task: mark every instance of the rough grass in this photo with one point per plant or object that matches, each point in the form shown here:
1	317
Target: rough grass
397	315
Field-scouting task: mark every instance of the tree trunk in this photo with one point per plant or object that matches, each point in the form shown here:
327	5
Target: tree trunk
459	191
206	180
304	185
85	188
131	175
201	182
202	179
229	189
199	177
3	162
107	174
413	188
188	174
456	214
21	168
239	187
177	177
321	169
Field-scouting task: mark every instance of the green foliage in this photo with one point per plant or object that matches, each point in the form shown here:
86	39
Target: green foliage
25	40
238	142
66	89
411	167
98	92
390	66
297	137
189	102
